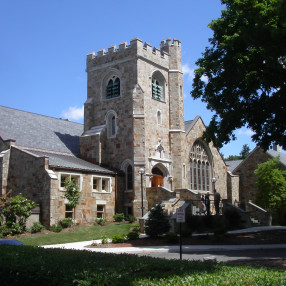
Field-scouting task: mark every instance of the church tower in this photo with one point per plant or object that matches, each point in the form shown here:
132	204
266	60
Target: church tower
134	117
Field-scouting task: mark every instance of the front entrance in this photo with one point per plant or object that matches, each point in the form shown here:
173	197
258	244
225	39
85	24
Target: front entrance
157	178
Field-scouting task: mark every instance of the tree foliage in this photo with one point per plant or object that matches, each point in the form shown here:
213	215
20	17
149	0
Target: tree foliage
244	151
271	183
15	211
157	222
72	193
245	67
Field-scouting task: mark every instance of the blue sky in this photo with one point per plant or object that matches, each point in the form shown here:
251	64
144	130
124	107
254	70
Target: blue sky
44	45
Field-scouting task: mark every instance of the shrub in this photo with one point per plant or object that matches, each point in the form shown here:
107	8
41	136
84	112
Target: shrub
56	228
132	235
186	233
13	229
104	240
157	222
136	228
36	227
171	237
66	222
118	217
100	221
132	218
118	238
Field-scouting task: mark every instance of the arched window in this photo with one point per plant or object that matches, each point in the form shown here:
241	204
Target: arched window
200	168
159	117
158	83
113	87
129	177
111	126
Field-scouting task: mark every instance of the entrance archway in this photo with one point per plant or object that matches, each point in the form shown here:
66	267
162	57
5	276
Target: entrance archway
157	177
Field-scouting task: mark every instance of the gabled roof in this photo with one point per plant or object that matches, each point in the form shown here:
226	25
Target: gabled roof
190	124
32	130
275	154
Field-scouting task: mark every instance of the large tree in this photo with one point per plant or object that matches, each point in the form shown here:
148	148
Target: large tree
242	74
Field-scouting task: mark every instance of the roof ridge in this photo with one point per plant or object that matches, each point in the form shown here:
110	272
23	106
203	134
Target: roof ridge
41	115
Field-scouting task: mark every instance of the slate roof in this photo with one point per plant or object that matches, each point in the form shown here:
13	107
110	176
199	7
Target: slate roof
39	131
274	153
233	164
55	138
70	162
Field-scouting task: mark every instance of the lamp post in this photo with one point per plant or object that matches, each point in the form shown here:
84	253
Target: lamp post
141	172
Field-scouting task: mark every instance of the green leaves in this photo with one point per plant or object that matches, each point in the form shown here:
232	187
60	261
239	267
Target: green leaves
72	193
242	64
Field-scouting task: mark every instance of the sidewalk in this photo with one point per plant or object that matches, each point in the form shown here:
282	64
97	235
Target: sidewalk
175	248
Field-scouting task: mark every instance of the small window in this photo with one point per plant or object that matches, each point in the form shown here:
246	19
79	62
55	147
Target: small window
68	212
100	211
159	117
75	178
113	88
101	184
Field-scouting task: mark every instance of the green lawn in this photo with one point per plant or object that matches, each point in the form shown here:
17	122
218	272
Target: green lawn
81	233
25	265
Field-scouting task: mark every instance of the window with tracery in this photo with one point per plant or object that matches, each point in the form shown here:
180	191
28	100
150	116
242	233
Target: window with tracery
200	168
113	87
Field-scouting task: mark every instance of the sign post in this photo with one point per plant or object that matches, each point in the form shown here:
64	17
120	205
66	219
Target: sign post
180	218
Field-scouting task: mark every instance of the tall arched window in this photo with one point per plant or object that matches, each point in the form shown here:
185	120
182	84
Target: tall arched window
129	177
113	87
158	86
110	121
200	168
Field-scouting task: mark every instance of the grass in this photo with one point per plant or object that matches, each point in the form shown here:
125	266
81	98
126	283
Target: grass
81	233
24	265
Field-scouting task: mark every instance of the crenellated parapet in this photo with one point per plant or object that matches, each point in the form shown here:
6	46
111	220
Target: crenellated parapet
136	49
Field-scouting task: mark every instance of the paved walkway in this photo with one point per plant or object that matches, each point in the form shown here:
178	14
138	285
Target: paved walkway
200	252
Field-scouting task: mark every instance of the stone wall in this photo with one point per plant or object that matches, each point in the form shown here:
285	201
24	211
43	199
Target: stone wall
27	174
232	188
247	178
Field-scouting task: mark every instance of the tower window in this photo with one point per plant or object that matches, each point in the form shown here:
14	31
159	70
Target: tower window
129	177
158	82
113	87
111	126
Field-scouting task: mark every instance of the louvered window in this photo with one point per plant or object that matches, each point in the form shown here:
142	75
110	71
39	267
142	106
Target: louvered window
113	88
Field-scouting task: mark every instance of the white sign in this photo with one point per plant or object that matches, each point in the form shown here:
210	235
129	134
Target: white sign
180	215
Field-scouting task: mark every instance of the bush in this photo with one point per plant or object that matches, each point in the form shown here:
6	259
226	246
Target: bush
13	229
118	238
157	222
132	235
104	240
56	228
132	218
100	221
171	237
66	222
36	227
136	228
119	217
186	233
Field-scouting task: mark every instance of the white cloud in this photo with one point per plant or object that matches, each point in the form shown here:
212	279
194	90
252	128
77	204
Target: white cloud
246	132
188	72
73	113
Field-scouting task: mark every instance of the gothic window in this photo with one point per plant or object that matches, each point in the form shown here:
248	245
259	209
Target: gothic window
110	119
200	170
113	87
129	177
158	86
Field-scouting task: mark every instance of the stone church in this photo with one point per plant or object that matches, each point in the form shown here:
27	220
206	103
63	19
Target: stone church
134	149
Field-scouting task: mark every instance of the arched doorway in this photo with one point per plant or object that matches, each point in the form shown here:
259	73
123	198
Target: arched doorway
157	177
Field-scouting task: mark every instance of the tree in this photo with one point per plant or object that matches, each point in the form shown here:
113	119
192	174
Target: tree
245	67
157	222
72	193
244	151
271	183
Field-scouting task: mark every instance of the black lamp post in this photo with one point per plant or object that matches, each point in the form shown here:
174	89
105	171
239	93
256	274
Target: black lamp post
141	172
